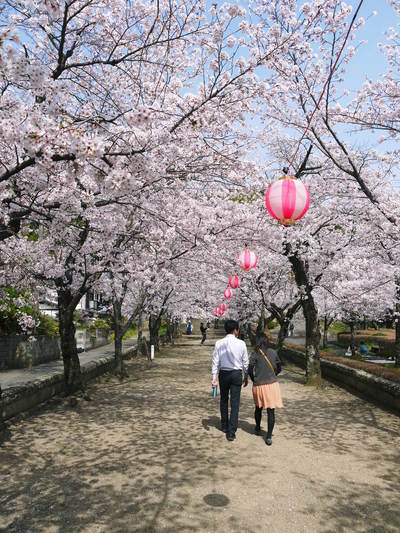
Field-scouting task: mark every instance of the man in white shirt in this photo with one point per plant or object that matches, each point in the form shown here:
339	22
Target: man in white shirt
230	363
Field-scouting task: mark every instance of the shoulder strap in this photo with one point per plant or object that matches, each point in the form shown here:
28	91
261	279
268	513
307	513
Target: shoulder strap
268	361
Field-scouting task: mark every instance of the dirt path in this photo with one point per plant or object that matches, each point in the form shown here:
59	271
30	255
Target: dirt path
147	456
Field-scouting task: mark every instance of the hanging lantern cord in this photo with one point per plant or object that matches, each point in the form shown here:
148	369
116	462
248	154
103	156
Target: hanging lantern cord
326	84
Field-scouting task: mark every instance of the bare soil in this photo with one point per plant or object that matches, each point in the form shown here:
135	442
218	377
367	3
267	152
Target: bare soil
147	455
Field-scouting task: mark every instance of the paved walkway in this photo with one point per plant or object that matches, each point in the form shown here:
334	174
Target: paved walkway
147	456
23	376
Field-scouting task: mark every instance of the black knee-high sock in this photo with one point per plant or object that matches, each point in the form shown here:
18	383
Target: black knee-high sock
257	416
271	421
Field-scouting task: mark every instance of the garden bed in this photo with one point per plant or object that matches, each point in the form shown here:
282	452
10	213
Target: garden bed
378	370
380	385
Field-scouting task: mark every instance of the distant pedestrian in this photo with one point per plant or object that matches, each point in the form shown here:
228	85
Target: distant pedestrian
230	364
208	325
363	349
291	329
203	330
264	366
215	323
189	328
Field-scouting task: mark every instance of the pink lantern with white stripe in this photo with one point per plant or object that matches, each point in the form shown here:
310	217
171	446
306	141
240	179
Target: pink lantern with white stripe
228	294
287	200
222	307
248	260
234	282
216	311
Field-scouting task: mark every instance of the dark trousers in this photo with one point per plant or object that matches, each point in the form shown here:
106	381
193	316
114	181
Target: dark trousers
203	337
230	381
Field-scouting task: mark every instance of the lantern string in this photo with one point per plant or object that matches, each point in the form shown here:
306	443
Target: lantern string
326	83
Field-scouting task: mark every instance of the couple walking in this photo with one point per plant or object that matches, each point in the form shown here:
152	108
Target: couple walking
231	366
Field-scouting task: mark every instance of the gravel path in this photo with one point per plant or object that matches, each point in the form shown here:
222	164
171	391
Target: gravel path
147	456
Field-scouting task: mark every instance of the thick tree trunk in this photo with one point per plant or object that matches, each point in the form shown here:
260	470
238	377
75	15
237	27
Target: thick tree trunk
140	333
283	333
170	330
310	311
72	367
154	326
313	337
118	334
252	336
261	324
325	335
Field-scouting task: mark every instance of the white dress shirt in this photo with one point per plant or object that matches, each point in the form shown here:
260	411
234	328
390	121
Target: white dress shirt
230	353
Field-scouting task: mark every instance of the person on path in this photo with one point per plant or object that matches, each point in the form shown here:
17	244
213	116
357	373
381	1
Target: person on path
203	330
363	349
264	366
189	328
230	364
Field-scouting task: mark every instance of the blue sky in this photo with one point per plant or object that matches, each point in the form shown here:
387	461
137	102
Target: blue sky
369	61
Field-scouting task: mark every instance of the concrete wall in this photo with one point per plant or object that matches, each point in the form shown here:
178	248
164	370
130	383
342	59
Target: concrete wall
381	391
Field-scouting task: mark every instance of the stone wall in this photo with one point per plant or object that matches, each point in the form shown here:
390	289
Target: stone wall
19	351
381	391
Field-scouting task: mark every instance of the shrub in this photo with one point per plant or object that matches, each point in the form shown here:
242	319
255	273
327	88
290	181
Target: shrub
48	326
17	314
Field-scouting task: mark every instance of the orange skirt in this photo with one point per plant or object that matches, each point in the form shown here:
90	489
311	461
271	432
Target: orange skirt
268	395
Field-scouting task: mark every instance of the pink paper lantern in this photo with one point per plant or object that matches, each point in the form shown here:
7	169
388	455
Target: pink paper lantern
248	260
222	307
216	311
234	282
287	200
228	294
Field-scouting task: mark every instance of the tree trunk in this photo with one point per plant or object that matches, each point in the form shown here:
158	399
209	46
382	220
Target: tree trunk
72	367
352	338
176	328
313	337
154	326
397	325
118	334
170	330
365	325
325	335
261	324
283	332
310	311
252	336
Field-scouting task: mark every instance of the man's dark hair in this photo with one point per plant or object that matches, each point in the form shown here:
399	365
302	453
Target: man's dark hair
231	325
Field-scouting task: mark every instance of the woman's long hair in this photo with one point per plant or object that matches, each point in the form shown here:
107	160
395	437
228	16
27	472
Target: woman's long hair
262	343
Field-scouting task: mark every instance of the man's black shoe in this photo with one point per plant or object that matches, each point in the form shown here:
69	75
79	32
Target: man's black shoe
231	437
224	429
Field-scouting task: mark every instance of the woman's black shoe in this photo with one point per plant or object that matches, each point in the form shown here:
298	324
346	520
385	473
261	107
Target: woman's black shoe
231	437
